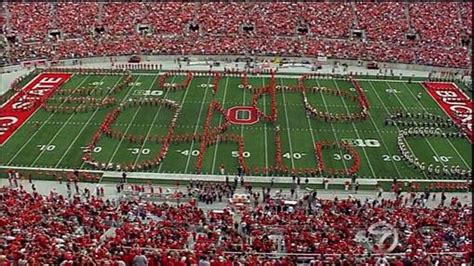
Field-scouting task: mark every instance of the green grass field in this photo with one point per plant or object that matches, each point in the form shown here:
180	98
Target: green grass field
57	140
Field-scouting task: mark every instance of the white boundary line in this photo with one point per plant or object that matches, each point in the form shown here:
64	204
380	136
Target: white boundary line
82	129
220	121
343	100
449	141
262	179
42	125
197	125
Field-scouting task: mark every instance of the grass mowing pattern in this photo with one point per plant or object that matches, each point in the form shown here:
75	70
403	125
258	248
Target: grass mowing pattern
59	141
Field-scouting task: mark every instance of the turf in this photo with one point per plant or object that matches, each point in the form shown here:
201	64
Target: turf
60	138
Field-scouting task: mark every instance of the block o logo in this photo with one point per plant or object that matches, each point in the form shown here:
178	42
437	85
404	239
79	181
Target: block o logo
243	115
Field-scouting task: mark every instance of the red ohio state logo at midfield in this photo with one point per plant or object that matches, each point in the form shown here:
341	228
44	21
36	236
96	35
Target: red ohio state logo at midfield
242	115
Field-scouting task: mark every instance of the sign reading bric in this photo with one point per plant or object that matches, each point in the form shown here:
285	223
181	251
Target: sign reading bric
455	103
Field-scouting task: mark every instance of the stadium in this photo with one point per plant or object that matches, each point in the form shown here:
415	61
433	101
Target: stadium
236	133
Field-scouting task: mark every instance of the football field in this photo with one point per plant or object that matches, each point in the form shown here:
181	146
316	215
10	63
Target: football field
225	126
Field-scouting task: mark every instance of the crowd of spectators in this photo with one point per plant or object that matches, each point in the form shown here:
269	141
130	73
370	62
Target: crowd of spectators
439	27
466	15
52	229
437	23
129	45
384	21
75	19
31	20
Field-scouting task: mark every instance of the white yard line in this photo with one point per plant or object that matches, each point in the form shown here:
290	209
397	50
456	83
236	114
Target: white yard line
51	140
288	127
310	130
220	121
332	127
357	132
426	139
181	107
131	121
265	126
242	126
82	129
196	127
449	141
58	132
383	141
41	127
152	123
388	113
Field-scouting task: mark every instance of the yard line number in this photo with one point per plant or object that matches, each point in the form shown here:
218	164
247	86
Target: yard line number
234	154
144	151
397	158
346	157
295	155
96	149
47	147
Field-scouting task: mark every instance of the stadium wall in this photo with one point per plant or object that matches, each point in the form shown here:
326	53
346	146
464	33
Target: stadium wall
10	73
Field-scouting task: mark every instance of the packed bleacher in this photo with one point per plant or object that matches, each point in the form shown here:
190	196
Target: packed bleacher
86	229
439	28
437	23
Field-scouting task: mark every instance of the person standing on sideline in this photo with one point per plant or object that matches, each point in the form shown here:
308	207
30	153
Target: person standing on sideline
222	169
124	177
240	171
356	187
443	198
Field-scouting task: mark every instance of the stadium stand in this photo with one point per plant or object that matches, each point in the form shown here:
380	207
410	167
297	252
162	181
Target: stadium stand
383	21
31	21
438	24
57	230
217	29
75	19
328	20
